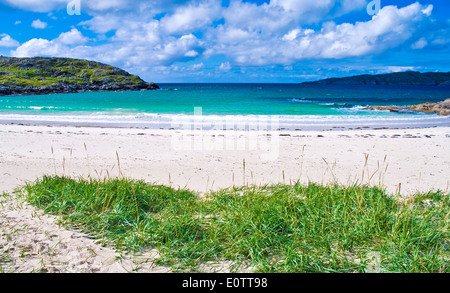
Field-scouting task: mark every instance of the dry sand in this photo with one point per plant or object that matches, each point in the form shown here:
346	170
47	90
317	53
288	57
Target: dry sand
403	160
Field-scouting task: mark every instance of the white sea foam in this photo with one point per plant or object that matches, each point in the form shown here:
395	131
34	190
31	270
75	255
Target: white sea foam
38	107
237	122
300	100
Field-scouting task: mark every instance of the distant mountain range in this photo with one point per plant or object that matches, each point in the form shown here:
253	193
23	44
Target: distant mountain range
34	76
400	78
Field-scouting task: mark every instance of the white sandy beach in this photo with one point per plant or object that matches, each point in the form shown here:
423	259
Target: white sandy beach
401	160
418	159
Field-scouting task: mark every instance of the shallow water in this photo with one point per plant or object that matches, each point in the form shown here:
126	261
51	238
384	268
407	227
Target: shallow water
230	106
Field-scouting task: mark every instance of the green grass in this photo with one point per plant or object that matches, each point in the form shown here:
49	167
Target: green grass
24	80
278	228
36	72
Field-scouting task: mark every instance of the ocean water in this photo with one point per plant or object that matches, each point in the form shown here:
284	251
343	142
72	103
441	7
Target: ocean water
230	106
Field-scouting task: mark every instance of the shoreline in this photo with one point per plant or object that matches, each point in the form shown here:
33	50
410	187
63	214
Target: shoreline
207	122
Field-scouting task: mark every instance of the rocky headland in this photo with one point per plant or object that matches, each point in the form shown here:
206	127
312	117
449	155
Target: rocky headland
441	108
39	75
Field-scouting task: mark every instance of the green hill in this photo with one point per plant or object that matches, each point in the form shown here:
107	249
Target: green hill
39	75
400	78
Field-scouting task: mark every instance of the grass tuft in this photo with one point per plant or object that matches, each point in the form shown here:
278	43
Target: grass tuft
277	228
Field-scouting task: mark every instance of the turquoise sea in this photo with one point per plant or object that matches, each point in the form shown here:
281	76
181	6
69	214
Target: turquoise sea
292	106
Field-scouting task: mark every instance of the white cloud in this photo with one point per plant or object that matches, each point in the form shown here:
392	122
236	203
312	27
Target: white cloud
283	14
38	47
277	32
441	41
103	23
191	17
7	41
345	6
90	5
102	5
72	37
255	18
420	44
197	66
59	47
391	69
251	33
139	33
292	35
231	34
143	44
130	48
427	11
225	66
302	8
391	27
191	53
177	49
36	5
38	24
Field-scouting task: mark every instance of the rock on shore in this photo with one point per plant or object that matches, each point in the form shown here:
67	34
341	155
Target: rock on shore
36	76
441	108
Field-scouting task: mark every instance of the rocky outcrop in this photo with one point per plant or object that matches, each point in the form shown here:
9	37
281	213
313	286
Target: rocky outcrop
441	108
55	89
37	76
400	78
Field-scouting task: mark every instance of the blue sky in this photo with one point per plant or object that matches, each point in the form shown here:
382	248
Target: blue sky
234	40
